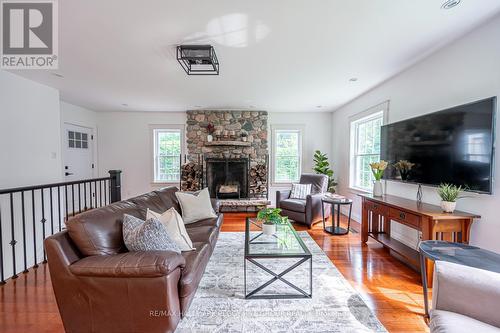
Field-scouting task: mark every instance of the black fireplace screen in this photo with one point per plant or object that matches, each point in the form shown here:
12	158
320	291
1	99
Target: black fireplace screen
223	172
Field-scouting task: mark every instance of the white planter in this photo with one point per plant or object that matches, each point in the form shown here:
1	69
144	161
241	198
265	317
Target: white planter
448	206
268	229
377	188
210	138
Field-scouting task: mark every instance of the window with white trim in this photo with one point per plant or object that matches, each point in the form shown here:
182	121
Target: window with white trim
167	155
365	146
287	155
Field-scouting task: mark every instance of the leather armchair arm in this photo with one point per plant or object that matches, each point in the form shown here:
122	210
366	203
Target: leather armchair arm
129	264
282	195
313	208
456	287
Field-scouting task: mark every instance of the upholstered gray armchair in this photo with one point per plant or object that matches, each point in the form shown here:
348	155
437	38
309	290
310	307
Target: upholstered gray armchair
464	299
306	211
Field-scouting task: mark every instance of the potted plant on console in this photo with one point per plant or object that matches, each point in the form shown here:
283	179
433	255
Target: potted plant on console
449	195
270	217
378	169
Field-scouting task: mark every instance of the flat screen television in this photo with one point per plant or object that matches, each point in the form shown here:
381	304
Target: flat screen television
453	146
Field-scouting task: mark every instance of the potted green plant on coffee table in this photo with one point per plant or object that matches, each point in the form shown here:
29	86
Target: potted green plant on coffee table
449	195
270	217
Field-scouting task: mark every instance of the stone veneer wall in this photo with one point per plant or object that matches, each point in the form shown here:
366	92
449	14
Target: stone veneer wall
253	122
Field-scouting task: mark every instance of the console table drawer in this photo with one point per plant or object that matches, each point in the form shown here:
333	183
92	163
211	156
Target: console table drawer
376	208
404	217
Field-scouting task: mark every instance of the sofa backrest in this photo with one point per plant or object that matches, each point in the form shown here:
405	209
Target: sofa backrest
99	231
319	182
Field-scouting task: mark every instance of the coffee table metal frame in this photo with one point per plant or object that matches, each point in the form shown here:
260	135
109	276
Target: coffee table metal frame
252	258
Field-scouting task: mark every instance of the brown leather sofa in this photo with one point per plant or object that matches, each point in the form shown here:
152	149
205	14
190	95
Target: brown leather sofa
306	211
101	287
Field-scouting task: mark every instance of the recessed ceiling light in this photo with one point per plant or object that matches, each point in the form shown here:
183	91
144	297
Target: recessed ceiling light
58	75
252	106
319	106
449	4
197	106
124	104
353	79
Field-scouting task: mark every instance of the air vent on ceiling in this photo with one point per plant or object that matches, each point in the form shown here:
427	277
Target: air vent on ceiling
198	59
448	4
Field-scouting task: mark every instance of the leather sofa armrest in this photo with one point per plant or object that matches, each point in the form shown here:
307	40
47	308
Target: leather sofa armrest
282	195
313	208
129	264
456	287
215	205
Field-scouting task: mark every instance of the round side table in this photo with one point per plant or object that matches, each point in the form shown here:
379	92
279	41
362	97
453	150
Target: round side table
335	228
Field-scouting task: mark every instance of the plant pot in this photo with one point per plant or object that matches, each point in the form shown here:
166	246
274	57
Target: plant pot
268	229
210	138
377	189
448	206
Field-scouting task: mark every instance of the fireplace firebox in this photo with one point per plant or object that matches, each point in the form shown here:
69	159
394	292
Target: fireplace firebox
227	178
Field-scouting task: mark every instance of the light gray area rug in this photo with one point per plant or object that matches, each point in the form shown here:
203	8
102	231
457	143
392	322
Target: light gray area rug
219	304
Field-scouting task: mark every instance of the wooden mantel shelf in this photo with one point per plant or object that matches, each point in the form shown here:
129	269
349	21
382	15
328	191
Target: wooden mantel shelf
229	143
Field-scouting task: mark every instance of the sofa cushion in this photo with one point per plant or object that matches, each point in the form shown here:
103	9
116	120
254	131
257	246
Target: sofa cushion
206	234
195	206
451	322
213	222
99	231
172	221
129	264
151	201
196	261
300	191
149	235
295	205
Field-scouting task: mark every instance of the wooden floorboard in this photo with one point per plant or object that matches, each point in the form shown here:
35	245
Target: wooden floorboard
390	289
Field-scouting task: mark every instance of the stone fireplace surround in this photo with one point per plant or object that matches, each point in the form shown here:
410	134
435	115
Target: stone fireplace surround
254	123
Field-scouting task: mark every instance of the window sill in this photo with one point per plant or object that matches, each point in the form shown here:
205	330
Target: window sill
357	190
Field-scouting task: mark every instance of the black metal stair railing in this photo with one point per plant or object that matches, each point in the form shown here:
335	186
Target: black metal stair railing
50	204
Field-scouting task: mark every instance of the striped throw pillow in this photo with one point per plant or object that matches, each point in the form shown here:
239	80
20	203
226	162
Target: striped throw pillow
300	191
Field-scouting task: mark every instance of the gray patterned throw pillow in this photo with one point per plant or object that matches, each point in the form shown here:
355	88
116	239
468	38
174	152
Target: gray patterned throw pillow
148	235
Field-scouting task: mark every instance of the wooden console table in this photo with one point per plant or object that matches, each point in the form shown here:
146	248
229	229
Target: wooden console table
429	220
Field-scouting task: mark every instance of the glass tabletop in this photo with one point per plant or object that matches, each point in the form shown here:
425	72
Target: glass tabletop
284	243
461	254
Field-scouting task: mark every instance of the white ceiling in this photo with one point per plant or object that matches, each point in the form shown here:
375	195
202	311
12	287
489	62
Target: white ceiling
279	55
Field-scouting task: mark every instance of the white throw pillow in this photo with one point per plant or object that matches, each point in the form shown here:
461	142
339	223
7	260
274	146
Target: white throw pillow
175	227
195	206
300	191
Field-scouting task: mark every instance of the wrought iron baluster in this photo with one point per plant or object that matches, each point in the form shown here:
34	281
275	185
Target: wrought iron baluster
79	199
66	199
90	195
95	194
42	221
51	213
13	241
100	193
34	228
2	275
105	194
24	234
73	198
59	205
84	195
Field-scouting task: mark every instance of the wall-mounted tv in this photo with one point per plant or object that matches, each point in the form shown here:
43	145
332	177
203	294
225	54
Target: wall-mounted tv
454	146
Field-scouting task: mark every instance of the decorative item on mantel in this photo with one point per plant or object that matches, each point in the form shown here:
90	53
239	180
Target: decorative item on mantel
449	195
404	167
210	130
270	217
378	169
244	136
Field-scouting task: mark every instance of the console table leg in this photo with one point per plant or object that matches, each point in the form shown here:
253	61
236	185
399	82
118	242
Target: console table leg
364	224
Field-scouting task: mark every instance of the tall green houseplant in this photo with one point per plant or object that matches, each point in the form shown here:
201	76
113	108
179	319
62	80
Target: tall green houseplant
322	167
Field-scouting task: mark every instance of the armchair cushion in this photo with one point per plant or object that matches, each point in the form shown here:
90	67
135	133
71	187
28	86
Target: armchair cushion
451	322
295	205
130	264
319	182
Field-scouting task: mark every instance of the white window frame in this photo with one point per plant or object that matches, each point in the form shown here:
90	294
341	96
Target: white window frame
286	128
153	129
380	110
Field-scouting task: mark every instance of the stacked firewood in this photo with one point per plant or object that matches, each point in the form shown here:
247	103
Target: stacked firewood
191	177
258	180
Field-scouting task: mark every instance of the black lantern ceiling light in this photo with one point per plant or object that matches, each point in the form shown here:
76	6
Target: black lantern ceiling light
198	59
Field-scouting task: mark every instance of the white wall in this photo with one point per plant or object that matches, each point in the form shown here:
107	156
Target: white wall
317	136
124	143
465	71
30	146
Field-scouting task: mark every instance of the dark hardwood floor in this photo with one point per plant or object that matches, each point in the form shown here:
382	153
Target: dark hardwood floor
391	289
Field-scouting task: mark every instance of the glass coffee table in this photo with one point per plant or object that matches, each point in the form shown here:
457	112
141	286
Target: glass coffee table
284	245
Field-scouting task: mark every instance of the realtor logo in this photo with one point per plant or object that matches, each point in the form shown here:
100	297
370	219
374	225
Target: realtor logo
29	34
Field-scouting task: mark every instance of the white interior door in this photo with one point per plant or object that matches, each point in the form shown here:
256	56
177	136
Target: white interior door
78	159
